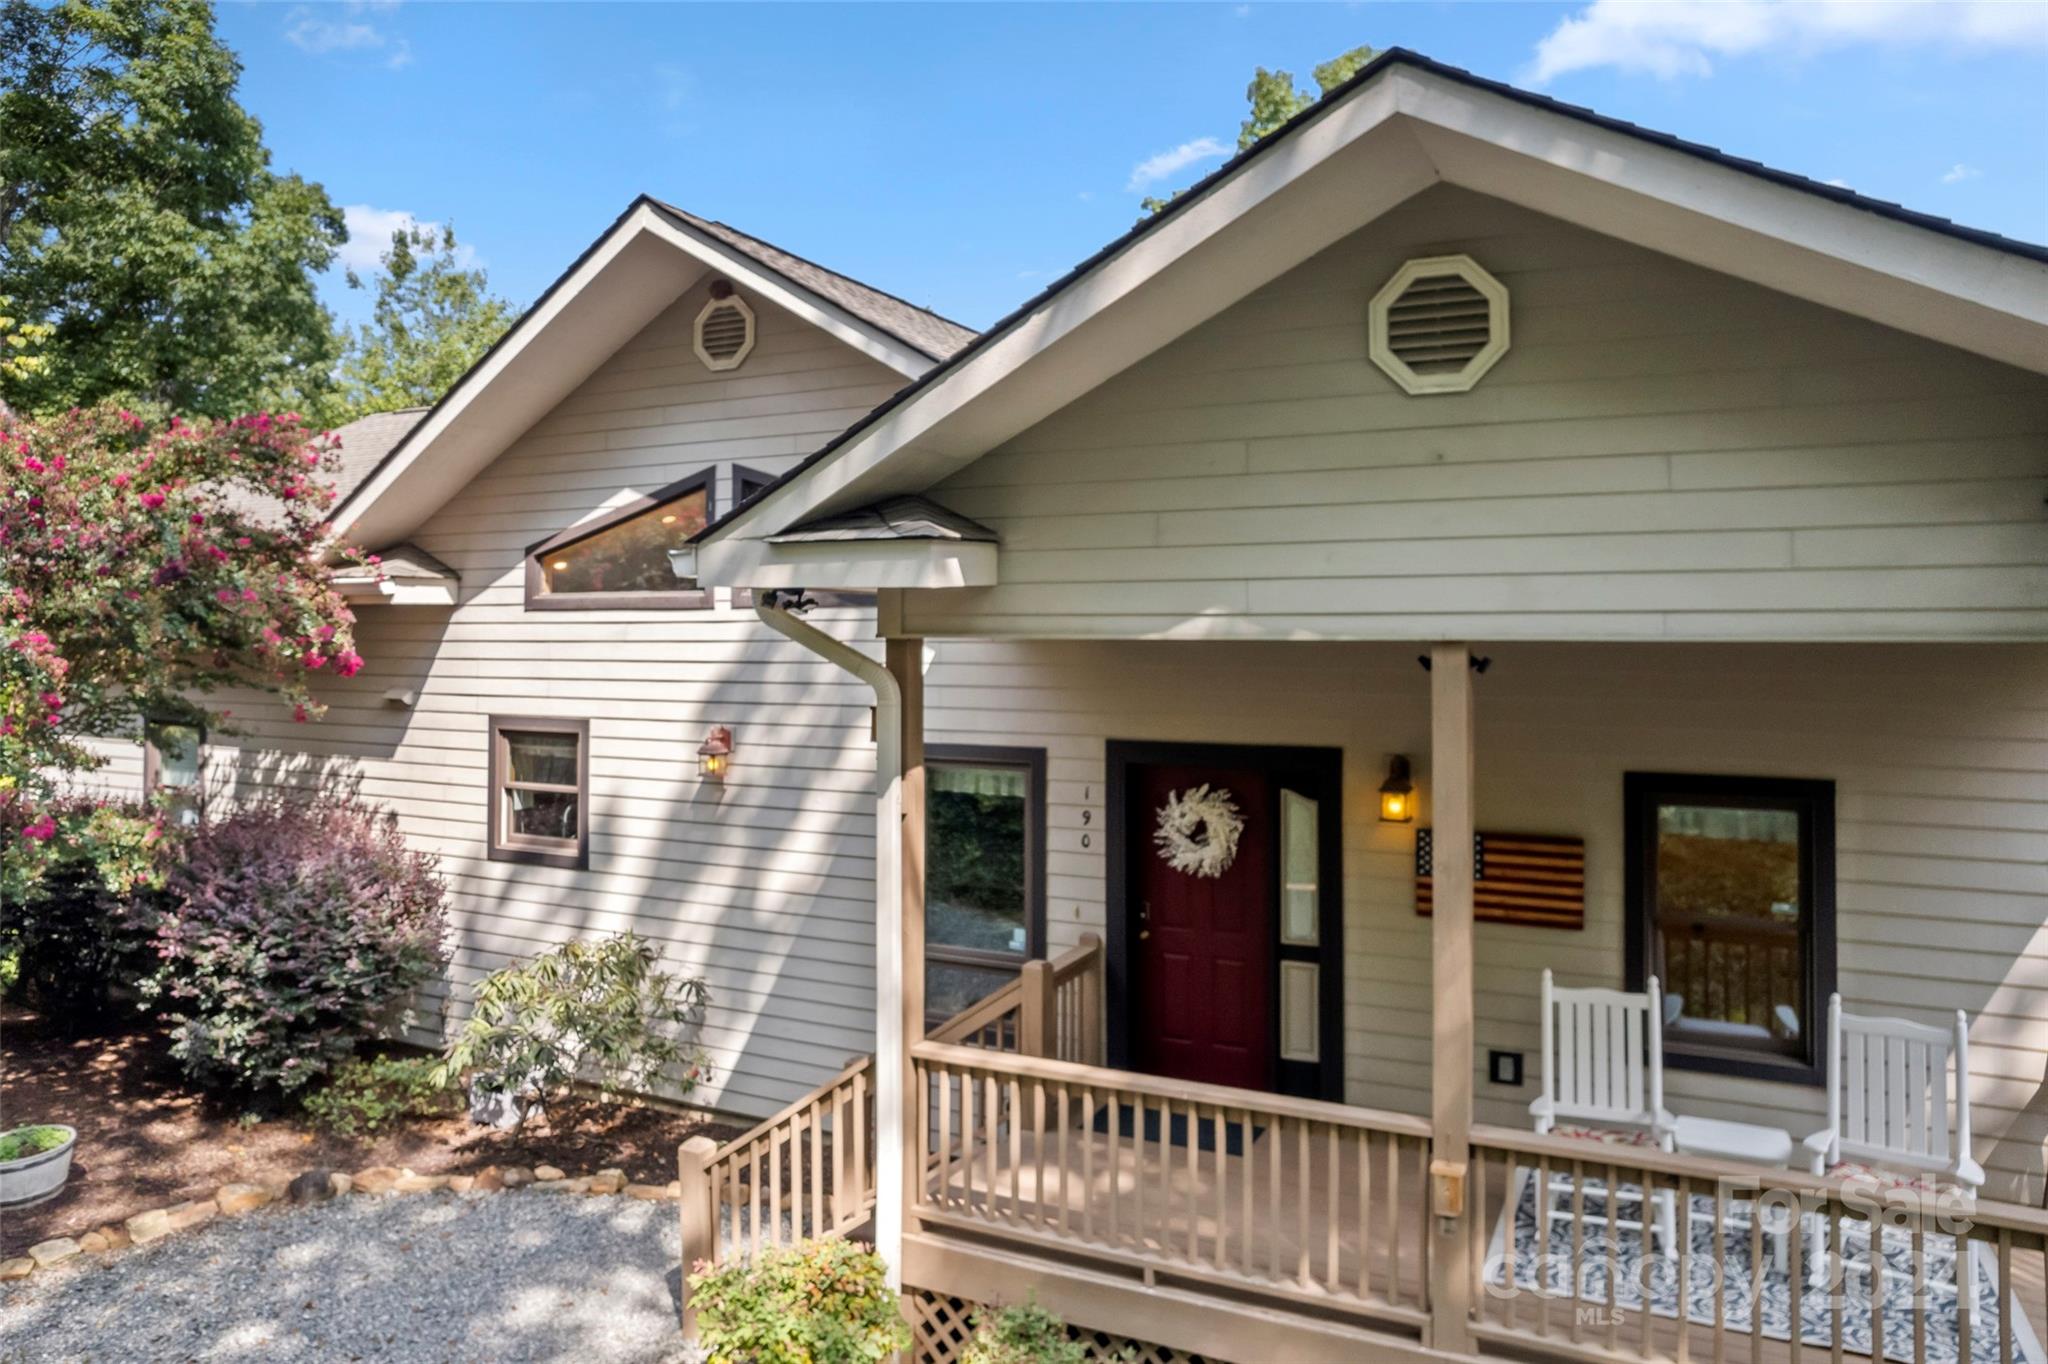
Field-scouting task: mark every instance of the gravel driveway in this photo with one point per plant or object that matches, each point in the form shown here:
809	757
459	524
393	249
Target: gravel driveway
422	1277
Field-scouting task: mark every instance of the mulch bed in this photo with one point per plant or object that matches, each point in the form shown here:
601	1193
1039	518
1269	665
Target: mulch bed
146	1139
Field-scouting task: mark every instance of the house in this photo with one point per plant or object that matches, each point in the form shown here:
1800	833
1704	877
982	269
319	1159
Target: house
1621	516
1672	525
675	367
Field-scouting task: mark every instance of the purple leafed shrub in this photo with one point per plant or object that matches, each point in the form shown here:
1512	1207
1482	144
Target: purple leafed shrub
286	933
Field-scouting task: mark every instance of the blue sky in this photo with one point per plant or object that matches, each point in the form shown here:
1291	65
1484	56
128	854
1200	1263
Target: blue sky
961	155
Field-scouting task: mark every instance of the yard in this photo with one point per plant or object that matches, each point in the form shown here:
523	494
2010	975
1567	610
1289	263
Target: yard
146	1139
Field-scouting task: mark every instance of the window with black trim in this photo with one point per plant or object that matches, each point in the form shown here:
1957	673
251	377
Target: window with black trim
745	484
620	561
984	871
174	766
540	791
1731	904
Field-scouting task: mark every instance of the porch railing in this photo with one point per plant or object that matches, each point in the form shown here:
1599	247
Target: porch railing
1052	1008
1600	1252
1311	1202
809	1171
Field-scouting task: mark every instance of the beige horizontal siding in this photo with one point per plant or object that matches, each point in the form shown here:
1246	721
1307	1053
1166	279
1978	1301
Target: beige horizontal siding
1663	453
1939	755
764	883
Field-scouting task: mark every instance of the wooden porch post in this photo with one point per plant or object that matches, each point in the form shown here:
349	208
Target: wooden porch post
905	658
1451	819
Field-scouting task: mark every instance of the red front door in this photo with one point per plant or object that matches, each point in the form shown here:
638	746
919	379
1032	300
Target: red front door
1202	945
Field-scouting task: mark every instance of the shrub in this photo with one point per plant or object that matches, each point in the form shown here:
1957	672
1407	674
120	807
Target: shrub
79	931
368	1096
286	933
592	1008
1026	1334
818	1302
30	1141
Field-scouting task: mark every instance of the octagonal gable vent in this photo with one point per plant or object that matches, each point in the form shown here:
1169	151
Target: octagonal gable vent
725	332
1439	324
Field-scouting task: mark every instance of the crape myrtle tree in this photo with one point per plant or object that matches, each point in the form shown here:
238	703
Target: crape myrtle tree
143	567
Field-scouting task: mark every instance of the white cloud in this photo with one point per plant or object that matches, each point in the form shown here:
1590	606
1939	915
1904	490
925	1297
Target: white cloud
369	237
312	31
1673	38
1153	169
1958	173
1838	182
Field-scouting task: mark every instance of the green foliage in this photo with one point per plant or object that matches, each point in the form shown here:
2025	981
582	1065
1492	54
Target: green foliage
21	343
81	927
1022	1334
599	1008
818	1302
433	318
977	851
368	1096
140	219
31	1141
1273	99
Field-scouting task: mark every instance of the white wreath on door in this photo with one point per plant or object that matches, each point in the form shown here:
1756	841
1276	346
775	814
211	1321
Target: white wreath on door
1198	831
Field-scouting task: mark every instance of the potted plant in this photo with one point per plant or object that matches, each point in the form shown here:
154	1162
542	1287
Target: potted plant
34	1162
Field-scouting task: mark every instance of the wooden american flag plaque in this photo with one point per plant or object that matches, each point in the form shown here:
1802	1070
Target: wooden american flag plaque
1520	879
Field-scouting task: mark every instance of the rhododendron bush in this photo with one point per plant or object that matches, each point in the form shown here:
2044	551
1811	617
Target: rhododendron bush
142	568
284	935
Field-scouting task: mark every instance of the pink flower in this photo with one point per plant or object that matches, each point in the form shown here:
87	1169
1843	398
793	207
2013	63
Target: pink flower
43	829
120	480
349	664
35	466
241	542
152	500
52	700
315	661
313	457
226	594
248	594
325	632
299	714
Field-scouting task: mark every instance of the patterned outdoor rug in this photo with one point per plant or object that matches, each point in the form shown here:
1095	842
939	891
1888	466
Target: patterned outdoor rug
1733	1255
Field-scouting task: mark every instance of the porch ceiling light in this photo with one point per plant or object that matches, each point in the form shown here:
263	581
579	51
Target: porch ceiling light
1397	793
714	755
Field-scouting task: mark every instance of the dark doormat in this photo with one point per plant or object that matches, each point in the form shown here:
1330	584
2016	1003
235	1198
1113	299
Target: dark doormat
1177	1128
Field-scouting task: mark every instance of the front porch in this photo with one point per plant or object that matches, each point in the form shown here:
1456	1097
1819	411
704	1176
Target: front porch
1366	1212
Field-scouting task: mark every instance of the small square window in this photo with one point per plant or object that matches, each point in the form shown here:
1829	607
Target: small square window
1731	888
540	791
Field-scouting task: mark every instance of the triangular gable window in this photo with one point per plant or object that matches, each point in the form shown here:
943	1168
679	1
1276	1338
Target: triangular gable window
620	562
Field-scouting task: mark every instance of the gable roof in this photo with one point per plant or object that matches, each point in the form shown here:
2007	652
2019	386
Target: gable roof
649	257
367	440
936	336
1436	123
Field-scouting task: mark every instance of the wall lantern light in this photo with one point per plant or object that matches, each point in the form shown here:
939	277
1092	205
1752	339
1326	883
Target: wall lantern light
714	755
1397	793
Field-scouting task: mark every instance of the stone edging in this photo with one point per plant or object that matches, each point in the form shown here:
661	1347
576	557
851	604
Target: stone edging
318	1186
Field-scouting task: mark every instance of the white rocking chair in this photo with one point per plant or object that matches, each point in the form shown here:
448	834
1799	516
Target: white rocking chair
1603	1064
1888	1107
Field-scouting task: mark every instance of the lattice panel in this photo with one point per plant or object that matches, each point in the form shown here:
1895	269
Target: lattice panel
942	1326
939	1325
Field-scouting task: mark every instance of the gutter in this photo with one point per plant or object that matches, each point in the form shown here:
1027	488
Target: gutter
892	1050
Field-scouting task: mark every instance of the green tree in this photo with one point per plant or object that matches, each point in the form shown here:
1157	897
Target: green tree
433	318
140	219
1274	98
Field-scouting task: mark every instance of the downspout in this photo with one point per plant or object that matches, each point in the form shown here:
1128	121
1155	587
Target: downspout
891	1047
